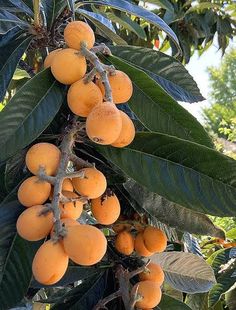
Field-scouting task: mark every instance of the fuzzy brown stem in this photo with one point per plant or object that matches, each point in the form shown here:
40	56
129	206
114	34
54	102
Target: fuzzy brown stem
102	48
139	270
79	162
102	303
101	69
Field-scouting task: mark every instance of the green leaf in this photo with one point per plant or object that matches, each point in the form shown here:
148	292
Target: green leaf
197	301
165	4
170	303
128	23
29	112
84	296
20	74
185	272
103	25
136	10
164	69
230	299
191	175
157	110
16	255
202	7
10	54
172	214
224	266
231	234
52	10
9	20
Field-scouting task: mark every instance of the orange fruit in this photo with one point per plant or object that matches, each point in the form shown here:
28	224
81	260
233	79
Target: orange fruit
106	209
68	66
86	245
121	86
82	97
124	243
104	123
43	154
120	227
32	226
127	133
92	185
33	192
77	32
48	60
50	263
153	273
155	239
140	247
150	293
71	210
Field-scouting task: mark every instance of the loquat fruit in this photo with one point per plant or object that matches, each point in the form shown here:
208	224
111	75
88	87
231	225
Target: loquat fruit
48	60
140	247
149	292
155	239
124	243
71	209
153	273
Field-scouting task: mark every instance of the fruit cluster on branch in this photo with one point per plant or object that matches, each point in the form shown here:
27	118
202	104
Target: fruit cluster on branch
54	197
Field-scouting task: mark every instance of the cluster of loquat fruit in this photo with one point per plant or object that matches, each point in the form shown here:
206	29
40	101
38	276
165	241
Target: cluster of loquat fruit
84	244
105	124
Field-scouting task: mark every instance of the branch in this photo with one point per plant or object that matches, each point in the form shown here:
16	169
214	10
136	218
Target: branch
139	270
36	13
101	69
102	48
102	303
44	177
80	162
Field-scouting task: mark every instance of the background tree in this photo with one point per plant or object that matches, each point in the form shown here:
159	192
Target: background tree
220	117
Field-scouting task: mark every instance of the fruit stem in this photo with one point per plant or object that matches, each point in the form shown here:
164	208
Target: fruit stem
79	162
101	69
36	13
102	303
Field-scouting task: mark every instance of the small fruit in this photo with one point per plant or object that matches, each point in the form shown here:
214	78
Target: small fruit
71	210
86	245
50	263
68	66
48	60
121	86
77	32
32	226
104	123
44	155
127	133
153	273
149	292
92	185
106	209
155	239
83	97
65	223
124	243
33	192
140	247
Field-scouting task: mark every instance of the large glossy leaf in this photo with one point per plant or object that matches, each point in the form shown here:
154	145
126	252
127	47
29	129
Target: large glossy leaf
10	54
225	271
16	255
17	5
29	112
8	21
157	110
52	9
194	176
170	303
103	24
197	301
185	271
191	244
125	21
136	10
164	69
84	296
172	214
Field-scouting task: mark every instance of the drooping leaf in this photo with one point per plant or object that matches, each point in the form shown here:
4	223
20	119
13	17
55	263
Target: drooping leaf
8	21
29	112
103	24
170	303
157	110
186	173
172	214
17	5
125	21
185	271
164	69
84	296
10	54
224	266
133	9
